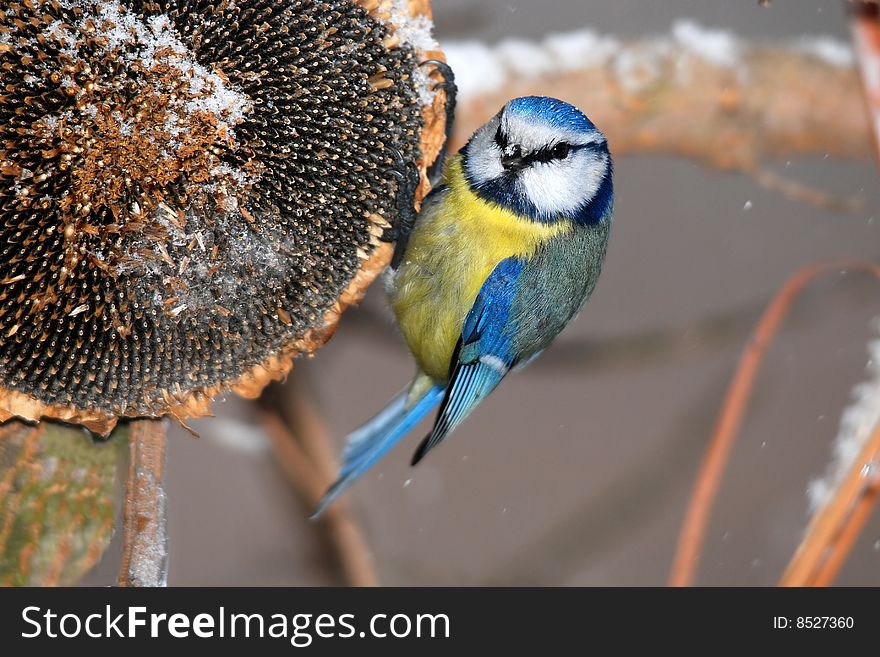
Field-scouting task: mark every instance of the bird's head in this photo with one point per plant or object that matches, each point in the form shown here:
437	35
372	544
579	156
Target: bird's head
542	158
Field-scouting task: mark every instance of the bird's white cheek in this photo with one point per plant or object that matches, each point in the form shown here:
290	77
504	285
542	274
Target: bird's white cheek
561	187
484	166
483	155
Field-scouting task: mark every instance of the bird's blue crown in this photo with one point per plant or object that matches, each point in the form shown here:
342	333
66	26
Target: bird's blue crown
553	112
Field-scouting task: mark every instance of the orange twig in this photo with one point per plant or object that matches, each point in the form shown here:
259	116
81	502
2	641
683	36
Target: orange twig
849	533
835	528
310	467
802	193
310	426
736	400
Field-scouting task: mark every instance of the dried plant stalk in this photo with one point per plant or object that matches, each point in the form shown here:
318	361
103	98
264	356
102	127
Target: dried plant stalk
311	474
144	538
693	531
846	539
834	528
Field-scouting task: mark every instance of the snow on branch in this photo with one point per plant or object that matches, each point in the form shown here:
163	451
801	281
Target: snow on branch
695	92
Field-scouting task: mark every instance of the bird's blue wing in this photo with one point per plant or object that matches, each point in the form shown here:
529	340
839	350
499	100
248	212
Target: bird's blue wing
483	356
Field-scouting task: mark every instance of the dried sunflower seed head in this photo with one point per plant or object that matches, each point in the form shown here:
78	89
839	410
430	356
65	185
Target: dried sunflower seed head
188	191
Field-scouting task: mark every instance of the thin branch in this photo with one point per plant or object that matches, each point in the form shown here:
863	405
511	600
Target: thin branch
802	193
306	458
310	426
834	528
846	539
693	531
144	537
734	110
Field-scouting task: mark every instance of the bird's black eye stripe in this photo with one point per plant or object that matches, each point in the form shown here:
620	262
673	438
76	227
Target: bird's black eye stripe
500	138
558	151
562	150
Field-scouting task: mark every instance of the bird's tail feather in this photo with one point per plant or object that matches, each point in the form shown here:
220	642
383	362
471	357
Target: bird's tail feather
370	442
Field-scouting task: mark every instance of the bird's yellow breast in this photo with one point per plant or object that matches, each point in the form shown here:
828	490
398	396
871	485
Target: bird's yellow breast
456	243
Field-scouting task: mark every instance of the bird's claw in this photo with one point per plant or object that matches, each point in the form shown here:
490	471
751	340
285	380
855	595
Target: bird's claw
443	69
450	90
399	163
448	82
407	174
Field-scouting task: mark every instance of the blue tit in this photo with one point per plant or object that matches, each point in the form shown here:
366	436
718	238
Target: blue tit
503	255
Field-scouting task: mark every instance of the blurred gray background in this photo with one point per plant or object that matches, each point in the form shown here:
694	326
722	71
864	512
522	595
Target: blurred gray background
577	471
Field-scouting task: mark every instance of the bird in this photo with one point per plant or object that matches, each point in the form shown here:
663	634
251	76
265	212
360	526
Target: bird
504	252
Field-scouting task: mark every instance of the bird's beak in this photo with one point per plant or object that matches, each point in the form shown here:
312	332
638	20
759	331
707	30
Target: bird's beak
513	163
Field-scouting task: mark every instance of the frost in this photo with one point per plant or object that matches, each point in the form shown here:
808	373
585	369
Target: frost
829	50
240	437
573	50
478	69
190	97
223	102
718	47
640	67
417	32
481	68
159	24
525	58
424	85
241	178
149	558
857	422
144	45
58	32
227	279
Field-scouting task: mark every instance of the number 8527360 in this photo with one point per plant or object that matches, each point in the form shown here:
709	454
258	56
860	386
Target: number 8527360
826	622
